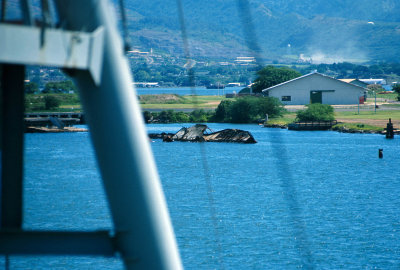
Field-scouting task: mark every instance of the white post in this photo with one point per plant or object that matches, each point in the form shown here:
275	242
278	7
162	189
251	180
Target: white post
143	228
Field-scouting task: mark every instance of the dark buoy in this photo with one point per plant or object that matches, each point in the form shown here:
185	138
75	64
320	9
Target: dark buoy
380	153
389	130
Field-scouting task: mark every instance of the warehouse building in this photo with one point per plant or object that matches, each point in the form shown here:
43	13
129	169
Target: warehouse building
316	88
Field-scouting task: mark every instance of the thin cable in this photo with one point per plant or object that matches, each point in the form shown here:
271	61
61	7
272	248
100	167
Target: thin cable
45	20
26	12
7	263
249	32
125	32
189	61
46	15
290	196
283	168
3	10
211	201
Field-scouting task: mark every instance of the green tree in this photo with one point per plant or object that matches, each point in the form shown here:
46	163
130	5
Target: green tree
147	116
31	88
51	102
200	116
396	89
182	117
167	117
271	106
223	111
142	76
248	109
241	111
59	87
375	87
270	76
316	112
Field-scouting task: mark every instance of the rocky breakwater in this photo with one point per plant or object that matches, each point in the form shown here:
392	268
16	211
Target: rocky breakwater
198	133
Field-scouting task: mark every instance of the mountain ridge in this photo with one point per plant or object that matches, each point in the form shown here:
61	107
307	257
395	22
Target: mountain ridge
285	30
342	30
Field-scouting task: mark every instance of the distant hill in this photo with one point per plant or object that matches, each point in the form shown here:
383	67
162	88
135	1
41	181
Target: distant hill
325	30
334	30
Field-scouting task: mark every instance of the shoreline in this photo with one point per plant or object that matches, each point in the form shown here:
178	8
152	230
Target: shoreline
341	129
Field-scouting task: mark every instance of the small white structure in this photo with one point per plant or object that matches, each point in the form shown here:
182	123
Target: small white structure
374	81
316	88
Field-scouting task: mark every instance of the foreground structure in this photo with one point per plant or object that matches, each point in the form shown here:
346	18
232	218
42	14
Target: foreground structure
142	233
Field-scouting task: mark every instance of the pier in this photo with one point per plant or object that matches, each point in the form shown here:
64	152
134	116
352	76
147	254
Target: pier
52	122
61	115
317	125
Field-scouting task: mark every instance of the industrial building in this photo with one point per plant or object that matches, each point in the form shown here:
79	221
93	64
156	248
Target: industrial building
316	88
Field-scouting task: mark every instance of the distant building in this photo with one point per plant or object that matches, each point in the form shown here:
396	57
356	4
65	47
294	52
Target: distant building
316	88
233	84
146	84
374	81
355	81
245	60
137	53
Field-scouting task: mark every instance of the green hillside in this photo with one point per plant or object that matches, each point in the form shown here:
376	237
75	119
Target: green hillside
326	31
330	30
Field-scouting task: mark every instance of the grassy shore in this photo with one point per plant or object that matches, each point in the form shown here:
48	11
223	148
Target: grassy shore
173	101
70	102
351	119
365	120
379	115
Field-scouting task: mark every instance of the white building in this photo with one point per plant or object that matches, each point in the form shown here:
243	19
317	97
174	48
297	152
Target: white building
316	88
374	81
245	60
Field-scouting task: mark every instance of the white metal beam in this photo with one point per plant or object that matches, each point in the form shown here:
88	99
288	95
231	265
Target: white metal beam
144	233
65	49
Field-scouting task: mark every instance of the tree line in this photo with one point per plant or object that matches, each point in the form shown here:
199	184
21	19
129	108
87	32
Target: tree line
248	109
170	74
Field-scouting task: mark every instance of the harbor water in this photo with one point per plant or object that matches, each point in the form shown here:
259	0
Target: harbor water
321	199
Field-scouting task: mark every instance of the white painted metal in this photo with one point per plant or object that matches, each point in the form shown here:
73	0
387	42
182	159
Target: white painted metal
334	91
67	49
144	232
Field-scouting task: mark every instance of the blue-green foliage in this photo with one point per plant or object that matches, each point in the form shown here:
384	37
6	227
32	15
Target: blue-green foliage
59	87
31	88
316	112
51	102
200	116
223	111
270	76
170	116
248	109
396	89
243	110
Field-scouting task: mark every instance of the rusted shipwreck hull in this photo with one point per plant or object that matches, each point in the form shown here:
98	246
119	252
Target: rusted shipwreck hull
198	133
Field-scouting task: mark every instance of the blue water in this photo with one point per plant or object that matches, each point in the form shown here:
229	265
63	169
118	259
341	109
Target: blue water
293	200
201	91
